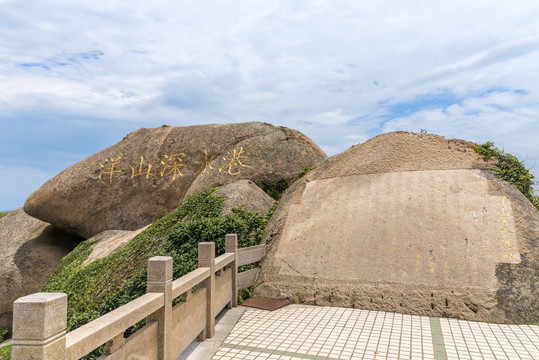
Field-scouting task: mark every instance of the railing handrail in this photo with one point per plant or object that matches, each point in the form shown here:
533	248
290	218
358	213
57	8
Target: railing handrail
189	281
251	254
40	319
81	341
223	260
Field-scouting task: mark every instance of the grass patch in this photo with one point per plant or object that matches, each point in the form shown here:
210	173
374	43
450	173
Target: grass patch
5	352
510	169
3	213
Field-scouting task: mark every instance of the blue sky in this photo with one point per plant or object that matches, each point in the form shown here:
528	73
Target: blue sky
76	76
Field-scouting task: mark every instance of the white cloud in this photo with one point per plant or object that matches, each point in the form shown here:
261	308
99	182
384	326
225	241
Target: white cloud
508	119
334	70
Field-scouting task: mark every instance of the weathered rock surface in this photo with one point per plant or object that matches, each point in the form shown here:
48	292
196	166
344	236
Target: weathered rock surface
149	173
30	250
247	194
110	241
411	223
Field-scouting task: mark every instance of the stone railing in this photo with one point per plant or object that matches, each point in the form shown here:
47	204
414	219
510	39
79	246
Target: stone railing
39	320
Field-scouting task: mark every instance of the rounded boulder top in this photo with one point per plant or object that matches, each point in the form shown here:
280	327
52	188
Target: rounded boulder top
151	171
409	223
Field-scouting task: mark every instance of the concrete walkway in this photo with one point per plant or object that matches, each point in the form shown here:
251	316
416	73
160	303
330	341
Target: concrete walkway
224	323
314	332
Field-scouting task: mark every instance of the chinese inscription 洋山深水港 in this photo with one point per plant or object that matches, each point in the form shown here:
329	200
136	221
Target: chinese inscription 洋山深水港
172	165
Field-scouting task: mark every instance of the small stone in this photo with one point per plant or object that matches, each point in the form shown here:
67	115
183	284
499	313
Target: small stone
245	194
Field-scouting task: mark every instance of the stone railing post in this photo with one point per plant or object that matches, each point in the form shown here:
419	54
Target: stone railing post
206	259
160	281
39	327
231	246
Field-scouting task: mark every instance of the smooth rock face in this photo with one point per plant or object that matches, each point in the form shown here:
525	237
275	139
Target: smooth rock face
247	194
408	223
30	250
149	173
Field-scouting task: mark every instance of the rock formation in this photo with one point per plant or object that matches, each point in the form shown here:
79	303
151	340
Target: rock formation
149	173
247	194
30	250
242	193
411	223
109	241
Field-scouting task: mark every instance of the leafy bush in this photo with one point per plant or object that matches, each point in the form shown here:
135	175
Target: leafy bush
510	169
274	188
182	245
4	334
277	188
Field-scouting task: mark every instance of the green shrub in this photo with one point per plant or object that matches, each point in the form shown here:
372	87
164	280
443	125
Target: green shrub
4	334
277	188
108	283
510	169
105	284
274	188
182	245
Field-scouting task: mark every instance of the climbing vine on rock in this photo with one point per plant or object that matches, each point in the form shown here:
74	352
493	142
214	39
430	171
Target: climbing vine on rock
510	169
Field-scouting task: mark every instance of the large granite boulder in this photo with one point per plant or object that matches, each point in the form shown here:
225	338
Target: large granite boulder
149	173
30	250
411	223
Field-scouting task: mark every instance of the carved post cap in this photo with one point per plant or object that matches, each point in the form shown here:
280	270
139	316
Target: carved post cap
231	242
39	316
206	250
160	269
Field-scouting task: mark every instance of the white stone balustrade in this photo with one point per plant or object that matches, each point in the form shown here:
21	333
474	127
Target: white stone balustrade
40	320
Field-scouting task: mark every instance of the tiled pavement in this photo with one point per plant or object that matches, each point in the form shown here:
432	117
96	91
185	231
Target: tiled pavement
313	332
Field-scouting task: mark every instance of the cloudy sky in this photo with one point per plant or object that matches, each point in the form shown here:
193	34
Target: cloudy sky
76	76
